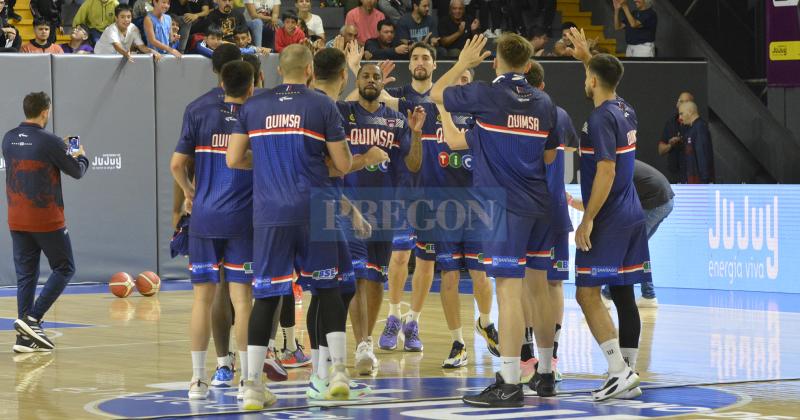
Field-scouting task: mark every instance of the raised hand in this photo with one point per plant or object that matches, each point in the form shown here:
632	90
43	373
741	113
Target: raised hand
416	119
387	67
580	47
473	54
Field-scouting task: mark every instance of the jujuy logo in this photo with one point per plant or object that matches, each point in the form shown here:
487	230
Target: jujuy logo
107	161
756	228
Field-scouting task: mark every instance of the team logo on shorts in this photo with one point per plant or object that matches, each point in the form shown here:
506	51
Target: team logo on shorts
505	262
204	268
444	257
561	265
605	271
646	267
326	274
248	267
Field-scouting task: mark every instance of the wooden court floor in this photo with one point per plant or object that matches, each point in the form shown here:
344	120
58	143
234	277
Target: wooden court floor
703	355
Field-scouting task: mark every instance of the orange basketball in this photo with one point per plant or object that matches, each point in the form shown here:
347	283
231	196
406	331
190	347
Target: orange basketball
148	283
121	284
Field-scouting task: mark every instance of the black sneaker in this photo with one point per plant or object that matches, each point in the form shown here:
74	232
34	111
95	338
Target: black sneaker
26	345
544	384
498	394
32	328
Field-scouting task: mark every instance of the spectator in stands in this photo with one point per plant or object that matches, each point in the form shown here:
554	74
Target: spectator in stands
78	41
245	42
565	28
365	18
226	18
640	27
671	142
419	25
290	33
347	32
158	29
539	38
122	36
141	8
698	154
212	40
41	44
97	15
175	33
10	41
253	60
560	49
454	30
7	13
386	46
490	16
49	10
188	14
263	20
394	9
313	22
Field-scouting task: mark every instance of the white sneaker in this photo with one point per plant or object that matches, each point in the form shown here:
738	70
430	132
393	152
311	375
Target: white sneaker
616	384
365	359
644	302
629	395
338	384
257	397
198	389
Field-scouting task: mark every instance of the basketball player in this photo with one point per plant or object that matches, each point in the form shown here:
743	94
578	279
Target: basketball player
447	175
561	227
289	131
611	239
514	137
421	64
220	227
370	123
221	309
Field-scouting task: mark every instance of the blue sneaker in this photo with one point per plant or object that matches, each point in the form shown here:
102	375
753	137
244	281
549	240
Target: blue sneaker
411	333
388	340
223	377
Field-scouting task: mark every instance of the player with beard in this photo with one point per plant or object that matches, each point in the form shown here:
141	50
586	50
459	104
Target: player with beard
611	239
370	123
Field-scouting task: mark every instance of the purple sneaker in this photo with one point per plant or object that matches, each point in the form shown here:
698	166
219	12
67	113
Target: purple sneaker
411	333
388	339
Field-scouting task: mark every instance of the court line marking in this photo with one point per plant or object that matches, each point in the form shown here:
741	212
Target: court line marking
114	345
92	406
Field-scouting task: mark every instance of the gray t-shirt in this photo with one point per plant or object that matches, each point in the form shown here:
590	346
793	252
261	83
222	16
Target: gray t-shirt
408	29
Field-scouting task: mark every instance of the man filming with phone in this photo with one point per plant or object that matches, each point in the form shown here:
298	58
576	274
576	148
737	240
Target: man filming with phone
35	159
671	142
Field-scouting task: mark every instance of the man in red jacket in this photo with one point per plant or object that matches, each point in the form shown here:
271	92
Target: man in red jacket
35	159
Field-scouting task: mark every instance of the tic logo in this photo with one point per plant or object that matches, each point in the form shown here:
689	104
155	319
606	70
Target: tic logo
383	167
455	160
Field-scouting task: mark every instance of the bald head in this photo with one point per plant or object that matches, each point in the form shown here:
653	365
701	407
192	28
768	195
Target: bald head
295	62
683	98
688	112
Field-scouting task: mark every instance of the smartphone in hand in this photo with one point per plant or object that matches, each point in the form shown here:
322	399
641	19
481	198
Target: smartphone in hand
74	144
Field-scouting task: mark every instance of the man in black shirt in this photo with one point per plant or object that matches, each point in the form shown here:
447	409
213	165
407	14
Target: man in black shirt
226	18
190	13
386	46
655	194
640	27
671	141
456	28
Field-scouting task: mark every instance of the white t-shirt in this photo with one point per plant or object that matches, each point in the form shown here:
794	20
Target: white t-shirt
263	5
112	35
315	25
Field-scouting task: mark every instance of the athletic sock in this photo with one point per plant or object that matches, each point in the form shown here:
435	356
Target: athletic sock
484	320
314	361
324	362
556	337
337	347
545	360
509	369
271	343
199	365
255	362
414	316
223	361
613	356
630	355
394	310
243	364
288	335
457	335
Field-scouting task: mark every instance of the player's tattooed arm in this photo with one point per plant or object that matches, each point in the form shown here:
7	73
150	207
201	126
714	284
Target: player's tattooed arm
239	155
455	138
603	179
415	121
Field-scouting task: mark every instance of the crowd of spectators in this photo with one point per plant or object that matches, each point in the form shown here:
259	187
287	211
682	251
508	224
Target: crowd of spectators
385	28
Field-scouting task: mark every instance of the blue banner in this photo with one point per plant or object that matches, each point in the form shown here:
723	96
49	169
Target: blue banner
726	237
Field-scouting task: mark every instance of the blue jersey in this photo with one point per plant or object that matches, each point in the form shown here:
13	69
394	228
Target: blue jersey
610	134
213	96
288	127
409	94
555	174
514	124
223	201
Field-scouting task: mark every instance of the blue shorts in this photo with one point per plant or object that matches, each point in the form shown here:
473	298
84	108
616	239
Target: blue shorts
370	259
346	276
404	238
618	258
461	248
516	242
234	254
279	249
559	255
